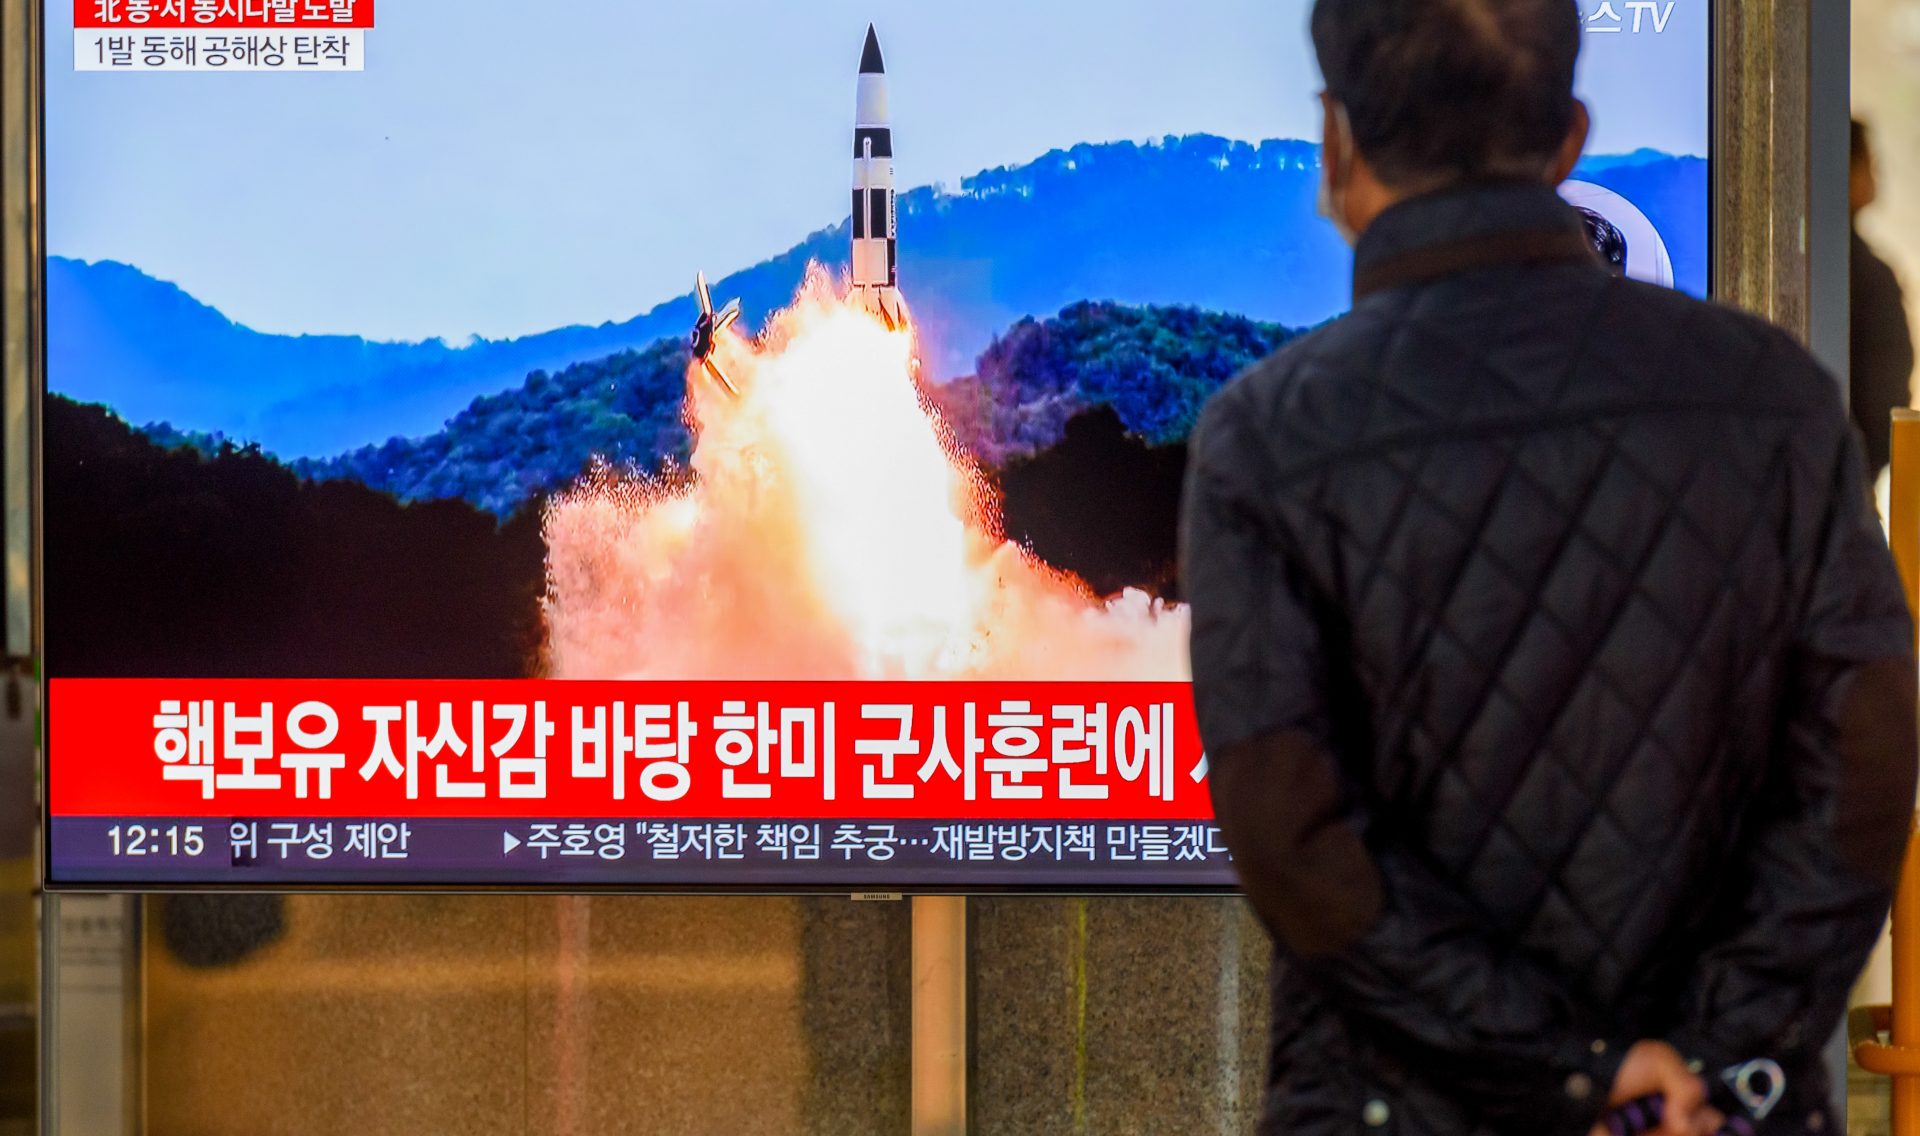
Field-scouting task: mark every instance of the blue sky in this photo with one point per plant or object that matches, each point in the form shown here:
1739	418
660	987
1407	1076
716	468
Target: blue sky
508	166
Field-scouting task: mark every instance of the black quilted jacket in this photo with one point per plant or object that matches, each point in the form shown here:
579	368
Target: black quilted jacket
1557	682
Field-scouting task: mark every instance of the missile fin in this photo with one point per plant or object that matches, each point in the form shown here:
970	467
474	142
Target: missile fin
720	377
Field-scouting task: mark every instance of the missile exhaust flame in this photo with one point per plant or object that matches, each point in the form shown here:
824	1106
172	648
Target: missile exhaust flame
827	528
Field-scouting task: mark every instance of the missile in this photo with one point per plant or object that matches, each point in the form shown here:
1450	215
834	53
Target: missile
707	329
875	238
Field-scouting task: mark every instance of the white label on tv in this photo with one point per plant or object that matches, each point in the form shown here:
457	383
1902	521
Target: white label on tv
318	51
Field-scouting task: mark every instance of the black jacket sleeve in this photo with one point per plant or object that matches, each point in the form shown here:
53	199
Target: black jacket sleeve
1821	852
1402	954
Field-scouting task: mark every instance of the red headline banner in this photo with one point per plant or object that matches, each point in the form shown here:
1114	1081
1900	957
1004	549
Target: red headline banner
543	748
123	14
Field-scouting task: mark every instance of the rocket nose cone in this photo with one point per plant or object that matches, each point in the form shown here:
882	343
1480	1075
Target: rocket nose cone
870	61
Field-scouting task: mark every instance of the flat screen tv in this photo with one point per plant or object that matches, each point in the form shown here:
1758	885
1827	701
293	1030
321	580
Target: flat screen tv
654	446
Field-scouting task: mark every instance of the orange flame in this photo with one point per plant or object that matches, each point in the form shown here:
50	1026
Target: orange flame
829	530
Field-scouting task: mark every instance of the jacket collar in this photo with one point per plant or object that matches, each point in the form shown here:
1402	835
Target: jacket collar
1465	229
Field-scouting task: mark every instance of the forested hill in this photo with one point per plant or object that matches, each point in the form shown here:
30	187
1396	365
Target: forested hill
1154	366
506	448
1223	225
1113	221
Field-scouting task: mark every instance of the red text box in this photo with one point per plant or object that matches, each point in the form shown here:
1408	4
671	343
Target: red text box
542	748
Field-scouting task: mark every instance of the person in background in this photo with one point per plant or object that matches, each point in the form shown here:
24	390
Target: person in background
1882	343
1555	678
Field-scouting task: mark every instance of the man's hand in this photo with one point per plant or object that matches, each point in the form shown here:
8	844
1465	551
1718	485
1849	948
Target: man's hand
1656	1069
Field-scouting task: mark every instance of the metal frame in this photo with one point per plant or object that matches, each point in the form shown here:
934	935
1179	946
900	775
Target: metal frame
1829	159
25	361
1762	175
1829	256
21	364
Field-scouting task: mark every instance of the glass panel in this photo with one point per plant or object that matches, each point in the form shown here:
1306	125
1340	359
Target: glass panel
1116	1015
525	1014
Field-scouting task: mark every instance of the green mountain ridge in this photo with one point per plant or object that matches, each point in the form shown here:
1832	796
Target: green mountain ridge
1155	366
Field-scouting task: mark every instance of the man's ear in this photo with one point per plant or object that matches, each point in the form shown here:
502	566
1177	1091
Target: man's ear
1333	155
1574	144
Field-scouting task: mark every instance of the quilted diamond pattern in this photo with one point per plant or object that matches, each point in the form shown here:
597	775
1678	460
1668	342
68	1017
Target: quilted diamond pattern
1564	527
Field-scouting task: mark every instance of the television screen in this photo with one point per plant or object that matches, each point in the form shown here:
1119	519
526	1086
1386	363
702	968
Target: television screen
650	445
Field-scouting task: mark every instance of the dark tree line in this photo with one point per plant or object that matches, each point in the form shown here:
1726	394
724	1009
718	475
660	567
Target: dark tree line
178	563
1102	504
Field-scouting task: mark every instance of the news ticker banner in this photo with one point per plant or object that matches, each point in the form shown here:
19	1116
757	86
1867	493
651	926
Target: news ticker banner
863	786
310	36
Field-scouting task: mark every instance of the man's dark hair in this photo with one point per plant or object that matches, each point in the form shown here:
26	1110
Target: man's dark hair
1451	89
1609	243
1862	143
